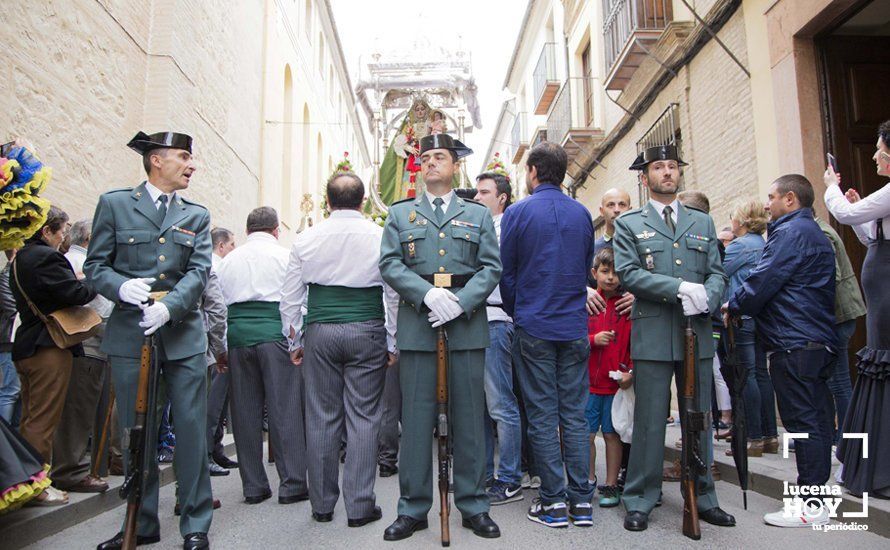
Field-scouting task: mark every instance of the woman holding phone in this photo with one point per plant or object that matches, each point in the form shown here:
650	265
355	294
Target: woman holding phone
869	410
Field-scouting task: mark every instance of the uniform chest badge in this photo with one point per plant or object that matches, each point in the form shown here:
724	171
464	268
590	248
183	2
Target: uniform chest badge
181	230
698	237
650	262
412	216
644	235
421	222
412	250
460	223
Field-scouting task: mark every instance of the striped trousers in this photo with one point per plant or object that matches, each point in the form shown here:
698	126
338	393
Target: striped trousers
344	368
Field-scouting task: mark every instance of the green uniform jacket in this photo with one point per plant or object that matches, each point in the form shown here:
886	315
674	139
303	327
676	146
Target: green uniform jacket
651	263
129	240
465	243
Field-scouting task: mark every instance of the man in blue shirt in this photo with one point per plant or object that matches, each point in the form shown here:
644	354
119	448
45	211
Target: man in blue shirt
546	250
791	294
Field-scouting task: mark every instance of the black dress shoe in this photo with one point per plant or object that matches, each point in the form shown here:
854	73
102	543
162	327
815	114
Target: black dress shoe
259	498
403	527
482	526
225	461
716	516
216	469
636	521
388	471
322	518
358	522
117	541
195	541
293	498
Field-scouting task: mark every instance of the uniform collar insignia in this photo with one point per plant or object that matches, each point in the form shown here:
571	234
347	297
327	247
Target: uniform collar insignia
645	235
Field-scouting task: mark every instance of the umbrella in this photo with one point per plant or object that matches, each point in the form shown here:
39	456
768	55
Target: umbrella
736	375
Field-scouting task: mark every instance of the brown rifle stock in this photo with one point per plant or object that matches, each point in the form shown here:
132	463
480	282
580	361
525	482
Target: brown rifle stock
442	431
692	426
134	482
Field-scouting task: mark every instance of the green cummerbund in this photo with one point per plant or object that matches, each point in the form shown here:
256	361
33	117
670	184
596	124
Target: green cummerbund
342	304
252	323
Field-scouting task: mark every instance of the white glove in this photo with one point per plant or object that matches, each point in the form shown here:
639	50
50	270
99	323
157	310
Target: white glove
694	298
443	306
154	317
135	291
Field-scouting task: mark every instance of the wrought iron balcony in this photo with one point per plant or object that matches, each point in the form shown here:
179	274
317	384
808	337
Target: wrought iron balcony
545	82
630	27
519	137
566	124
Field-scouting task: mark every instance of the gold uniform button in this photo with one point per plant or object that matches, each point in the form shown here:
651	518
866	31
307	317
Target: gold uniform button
679	261
676	245
162	257
467	236
441	252
647	250
162	240
441	235
699	248
162	276
131	240
188	242
442	269
410	237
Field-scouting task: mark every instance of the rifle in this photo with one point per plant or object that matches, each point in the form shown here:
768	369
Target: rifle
140	442
442	430
103	438
692	424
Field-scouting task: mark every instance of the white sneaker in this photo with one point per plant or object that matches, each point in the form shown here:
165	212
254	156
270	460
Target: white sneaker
526	481
535	483
812	516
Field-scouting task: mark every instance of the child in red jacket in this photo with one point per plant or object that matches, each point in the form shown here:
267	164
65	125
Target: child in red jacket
609	367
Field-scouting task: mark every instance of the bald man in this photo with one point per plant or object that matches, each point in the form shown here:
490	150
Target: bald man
614	203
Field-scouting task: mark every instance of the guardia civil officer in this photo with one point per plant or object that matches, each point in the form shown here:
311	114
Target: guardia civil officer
440	234
666	255
149	238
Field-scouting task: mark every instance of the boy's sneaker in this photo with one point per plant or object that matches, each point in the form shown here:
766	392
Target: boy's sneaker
581	514
502	492
553	515
609	496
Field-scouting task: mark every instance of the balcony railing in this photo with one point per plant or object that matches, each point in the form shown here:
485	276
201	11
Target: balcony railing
545	81
627	25
540	136
567	123
519	137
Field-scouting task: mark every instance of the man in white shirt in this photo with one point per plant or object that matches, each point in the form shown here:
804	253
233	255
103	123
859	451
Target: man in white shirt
252	277
223	242
494	191
341	344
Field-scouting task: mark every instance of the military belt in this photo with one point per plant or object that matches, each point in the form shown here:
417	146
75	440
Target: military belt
447	280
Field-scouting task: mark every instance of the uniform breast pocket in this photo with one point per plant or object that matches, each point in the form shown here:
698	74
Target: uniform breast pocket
697	257
412	244
651	254
134	245
466	241
185	246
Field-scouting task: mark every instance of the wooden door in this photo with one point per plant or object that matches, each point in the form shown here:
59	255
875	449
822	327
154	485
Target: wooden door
856	79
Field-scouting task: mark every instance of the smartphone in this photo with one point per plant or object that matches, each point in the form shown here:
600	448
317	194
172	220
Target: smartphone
5	148
832	161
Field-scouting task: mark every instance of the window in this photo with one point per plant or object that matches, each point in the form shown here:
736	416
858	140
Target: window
587	76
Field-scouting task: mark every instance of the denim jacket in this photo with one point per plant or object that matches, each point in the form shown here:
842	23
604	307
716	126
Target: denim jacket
742	255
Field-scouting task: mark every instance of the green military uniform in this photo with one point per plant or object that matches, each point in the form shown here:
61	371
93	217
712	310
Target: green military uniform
415	245
652	261
132	239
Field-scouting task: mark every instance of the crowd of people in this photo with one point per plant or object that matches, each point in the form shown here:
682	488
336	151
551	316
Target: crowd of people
554	335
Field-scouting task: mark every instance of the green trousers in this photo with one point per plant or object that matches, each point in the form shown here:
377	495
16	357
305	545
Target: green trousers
652	381
185	382
417	376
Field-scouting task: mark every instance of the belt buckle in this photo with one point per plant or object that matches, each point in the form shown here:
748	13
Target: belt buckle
442	280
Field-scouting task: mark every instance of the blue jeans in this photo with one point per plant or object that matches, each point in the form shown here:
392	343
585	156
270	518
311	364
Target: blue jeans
9	387
800	377
759	395
555	387
839	383
501	402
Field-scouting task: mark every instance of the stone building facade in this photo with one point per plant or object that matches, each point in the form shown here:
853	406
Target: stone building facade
83	76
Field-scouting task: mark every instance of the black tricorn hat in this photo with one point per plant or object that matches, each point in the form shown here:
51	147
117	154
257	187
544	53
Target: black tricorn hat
143	143
660	152
444	141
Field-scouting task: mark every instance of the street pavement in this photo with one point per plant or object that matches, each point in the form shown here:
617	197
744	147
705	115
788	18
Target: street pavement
271	525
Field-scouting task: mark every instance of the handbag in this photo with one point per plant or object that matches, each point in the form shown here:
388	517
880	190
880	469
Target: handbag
68	326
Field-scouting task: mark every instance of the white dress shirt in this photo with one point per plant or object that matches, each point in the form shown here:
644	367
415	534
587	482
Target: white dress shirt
156	193
343	250
497	313
254	272
861	216
214	261
76	256
659	207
